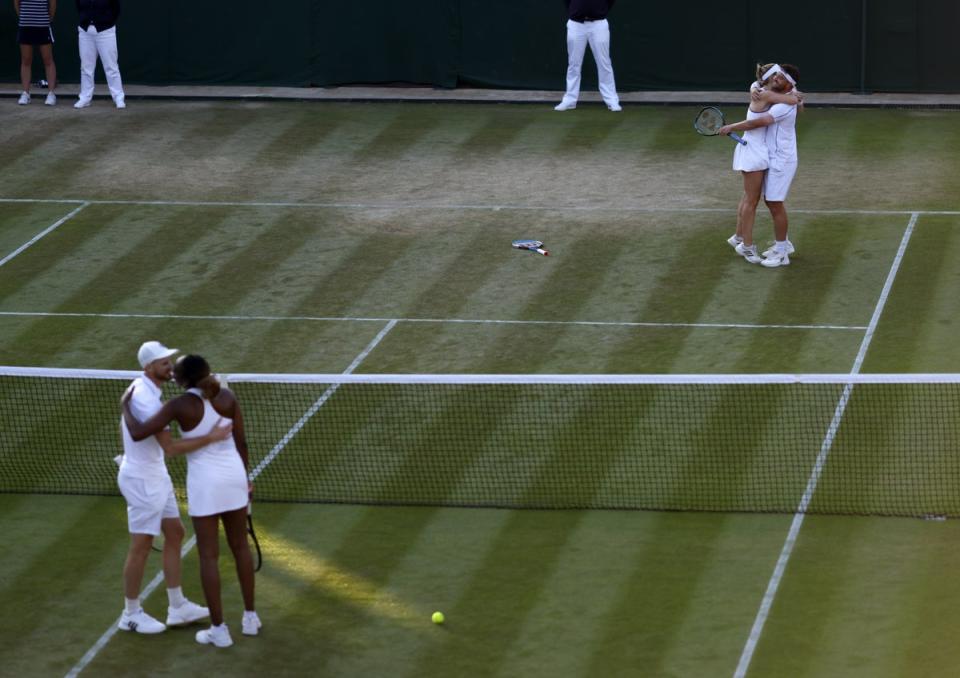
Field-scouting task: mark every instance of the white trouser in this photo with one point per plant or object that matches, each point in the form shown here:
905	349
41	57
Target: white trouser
104	44
597	34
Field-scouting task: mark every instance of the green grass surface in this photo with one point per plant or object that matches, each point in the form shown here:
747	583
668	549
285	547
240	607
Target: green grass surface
406	212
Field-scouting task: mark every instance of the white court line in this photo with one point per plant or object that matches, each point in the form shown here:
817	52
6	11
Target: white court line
47	230
454	206
465	321
747	655
155	582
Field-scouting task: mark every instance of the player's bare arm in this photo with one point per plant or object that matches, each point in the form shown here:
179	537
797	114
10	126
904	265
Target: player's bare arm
157	424
173	447
744	125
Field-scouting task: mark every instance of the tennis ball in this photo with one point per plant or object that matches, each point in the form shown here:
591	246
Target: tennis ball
438	618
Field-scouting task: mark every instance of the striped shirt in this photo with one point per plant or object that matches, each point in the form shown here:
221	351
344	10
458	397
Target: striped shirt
35	13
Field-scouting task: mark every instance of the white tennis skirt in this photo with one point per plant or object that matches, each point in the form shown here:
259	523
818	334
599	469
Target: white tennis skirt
215	484
750	158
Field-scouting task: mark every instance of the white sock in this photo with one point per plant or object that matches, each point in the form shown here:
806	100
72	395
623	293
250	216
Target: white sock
131	605
175	596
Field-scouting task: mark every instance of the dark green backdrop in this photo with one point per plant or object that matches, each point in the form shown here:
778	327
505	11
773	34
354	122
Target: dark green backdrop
895	45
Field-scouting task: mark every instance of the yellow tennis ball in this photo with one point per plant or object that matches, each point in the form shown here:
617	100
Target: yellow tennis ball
438	618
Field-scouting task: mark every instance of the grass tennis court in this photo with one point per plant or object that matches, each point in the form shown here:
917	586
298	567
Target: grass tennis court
291	237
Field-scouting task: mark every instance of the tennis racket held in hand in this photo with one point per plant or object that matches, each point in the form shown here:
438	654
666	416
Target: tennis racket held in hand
710	120
532	245
253	537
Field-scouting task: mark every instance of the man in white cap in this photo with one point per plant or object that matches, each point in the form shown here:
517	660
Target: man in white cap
151	502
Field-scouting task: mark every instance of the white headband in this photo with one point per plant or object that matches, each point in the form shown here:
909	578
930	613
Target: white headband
776	69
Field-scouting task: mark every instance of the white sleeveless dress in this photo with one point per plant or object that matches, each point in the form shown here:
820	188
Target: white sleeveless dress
216	479
754	156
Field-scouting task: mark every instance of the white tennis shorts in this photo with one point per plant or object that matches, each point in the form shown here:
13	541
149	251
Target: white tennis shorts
776	185
149	502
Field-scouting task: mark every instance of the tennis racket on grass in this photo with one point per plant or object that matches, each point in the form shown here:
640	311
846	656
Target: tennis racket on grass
710	120
532	245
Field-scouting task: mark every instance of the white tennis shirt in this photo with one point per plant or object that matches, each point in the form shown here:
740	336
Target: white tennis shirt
143	459
781	136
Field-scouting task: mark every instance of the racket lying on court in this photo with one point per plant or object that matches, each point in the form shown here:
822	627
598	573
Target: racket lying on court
710	120
253	536
532	245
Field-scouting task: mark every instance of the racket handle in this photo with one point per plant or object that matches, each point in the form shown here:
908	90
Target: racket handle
738	138
542	251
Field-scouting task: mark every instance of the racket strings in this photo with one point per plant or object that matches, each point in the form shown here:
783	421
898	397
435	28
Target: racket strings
709	121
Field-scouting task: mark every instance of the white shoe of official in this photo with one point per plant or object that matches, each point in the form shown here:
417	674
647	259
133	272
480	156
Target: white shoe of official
186	614
564	106
51	99
141	622
251	624
748	252
120	103
616	108
215	635
82	103
734	240
24	98
779	257
773	248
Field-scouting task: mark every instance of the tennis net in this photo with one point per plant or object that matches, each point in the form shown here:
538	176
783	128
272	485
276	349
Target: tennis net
836	444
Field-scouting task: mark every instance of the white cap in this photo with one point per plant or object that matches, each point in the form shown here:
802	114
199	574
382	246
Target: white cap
153	350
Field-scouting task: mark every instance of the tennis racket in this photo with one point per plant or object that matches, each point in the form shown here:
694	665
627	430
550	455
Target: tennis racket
253	536
532	245
710	120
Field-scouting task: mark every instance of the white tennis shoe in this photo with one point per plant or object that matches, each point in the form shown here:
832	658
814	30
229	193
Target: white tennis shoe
215	635
779	257
748	252
51	99
734	240
251	623
141	622
564	106
24	98
186	614
773	248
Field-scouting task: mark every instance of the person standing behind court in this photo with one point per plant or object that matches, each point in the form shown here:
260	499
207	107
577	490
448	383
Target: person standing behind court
588	24
34	18
98	37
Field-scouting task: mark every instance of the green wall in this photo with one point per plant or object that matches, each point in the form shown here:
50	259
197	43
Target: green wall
520	44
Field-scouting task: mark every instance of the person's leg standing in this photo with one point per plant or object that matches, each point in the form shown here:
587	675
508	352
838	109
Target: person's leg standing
207	529
235	527
50	69
599	38
87	41
26	68
776	188
107	49
576	46
144	518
